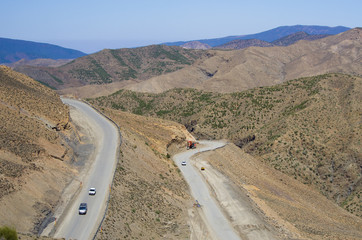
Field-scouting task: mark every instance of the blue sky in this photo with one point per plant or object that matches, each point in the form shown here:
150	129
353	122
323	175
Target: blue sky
92	25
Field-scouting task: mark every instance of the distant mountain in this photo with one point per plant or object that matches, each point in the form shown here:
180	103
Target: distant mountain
284	41
12	50
109	66
195	45
238	70
295	37
270	35
241	43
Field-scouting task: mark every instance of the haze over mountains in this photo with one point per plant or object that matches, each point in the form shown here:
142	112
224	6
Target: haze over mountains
158	68
270	35
12	50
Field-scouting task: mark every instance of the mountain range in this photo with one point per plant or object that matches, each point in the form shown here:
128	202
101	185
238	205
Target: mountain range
270	35
284	41
289	108
158	68
12	50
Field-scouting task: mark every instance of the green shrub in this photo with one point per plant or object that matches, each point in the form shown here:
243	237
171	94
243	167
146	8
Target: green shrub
8	233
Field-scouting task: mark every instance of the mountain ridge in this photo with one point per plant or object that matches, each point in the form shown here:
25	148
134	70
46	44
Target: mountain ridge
270	35
157	68
284	41
13	50
238	70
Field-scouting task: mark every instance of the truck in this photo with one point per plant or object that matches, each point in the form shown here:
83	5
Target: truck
190	144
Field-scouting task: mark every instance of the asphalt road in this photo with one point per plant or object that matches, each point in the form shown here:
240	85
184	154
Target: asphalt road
217	223
100	174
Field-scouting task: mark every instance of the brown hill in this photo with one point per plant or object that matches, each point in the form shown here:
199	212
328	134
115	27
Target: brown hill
150	200
307	128
230	71
32	152
108	66
241	43
159	68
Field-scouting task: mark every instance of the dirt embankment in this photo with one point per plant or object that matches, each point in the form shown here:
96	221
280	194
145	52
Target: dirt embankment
34	155
297	210
149	198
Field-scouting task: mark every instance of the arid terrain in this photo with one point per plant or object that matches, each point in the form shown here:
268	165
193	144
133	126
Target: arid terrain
239	70
41	153
149	198
291	117
307	128
149	191
159	68
33	153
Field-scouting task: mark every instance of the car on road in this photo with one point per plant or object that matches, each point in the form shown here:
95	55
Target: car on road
202	168
183	163
92	191
83	209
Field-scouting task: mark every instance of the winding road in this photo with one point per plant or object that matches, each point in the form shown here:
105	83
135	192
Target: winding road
217	223
99	175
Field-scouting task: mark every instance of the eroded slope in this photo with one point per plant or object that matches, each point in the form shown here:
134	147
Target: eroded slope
32	152
308	128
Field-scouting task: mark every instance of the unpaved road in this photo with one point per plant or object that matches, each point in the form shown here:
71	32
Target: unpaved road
224	214
99	174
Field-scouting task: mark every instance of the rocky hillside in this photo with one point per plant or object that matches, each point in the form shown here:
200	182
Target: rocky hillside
238	70
32	151
149	199
307	128
159	68
108	66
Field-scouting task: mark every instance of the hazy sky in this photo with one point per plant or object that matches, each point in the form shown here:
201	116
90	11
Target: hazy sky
92	25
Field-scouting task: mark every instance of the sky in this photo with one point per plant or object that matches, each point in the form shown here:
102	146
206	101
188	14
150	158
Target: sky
93	25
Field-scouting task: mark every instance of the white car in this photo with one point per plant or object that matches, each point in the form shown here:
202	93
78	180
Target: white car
83	209
92	191
183	163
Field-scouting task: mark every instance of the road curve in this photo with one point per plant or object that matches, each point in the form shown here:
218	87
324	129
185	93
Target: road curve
216	220
100	174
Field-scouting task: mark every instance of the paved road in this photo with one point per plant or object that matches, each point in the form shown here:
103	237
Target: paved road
73	225
217	222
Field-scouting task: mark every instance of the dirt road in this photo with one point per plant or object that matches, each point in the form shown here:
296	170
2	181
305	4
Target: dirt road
224	214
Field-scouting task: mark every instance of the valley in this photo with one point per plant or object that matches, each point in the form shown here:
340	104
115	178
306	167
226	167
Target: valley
287	118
